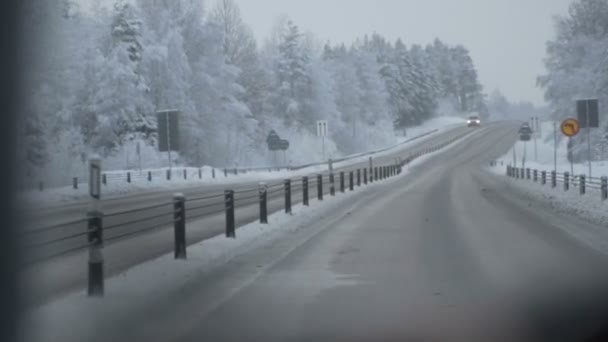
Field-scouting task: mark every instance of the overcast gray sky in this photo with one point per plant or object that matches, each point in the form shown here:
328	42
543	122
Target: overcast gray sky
506	37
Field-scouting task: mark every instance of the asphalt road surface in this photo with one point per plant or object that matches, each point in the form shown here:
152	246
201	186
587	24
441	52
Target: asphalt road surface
447	252
138	236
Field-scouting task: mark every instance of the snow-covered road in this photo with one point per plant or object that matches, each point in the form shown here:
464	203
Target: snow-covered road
51	277
447	251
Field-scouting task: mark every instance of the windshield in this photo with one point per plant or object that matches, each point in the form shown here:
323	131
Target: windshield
350	170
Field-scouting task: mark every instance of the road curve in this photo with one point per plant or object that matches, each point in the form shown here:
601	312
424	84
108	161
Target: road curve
444	253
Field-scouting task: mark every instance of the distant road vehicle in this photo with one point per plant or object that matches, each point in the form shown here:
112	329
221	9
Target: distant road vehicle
474	121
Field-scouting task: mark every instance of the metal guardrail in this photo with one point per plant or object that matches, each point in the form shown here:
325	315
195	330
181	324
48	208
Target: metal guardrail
554	179
138	176
97	228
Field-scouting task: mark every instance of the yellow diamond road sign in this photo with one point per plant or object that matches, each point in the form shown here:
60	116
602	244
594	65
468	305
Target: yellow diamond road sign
570	127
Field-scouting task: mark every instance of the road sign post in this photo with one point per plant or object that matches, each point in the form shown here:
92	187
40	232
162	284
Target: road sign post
571	127
322	131
138	151
588	117
275	143
168	132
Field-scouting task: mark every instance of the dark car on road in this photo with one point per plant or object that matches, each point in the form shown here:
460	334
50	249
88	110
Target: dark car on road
474	121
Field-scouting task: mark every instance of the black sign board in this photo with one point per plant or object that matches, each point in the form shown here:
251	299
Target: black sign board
273	137
282	145
275	143
168	131
588	113
525	130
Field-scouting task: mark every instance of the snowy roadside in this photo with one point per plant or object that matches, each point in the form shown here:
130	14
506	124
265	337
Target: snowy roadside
73	316
539	156
588	208
139	182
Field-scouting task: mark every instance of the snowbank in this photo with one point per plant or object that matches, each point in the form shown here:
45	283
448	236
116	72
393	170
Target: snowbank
117	180
589	206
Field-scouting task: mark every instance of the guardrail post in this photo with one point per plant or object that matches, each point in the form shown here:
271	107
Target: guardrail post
341	181
185	174
358	177
236	171
288	196
332	188
566	181
604	188
75	182
305	190
365	176
200	173
528	173
263	203
128	177
179	225
149	176
229	205
213	173
95	269
543	177
320	187
351	180
535	174
225	172
553	179
523	173
168	174
375	173
508	171
104	179
582	185
516	171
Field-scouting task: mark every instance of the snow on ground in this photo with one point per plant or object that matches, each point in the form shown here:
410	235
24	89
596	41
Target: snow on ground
127	294
435	123
543	158
118	185
589	207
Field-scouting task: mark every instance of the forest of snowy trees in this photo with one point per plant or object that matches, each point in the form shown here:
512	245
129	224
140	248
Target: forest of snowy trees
577	67
95	79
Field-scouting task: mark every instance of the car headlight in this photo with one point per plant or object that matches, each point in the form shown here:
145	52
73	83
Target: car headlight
468	121
478	121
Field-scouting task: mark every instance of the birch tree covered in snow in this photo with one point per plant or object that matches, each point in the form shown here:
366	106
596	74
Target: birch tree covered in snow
577	66
106	72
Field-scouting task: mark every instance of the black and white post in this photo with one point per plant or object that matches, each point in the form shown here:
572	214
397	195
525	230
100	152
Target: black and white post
95	231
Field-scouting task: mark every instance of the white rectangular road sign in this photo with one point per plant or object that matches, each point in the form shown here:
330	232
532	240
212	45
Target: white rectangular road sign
322	128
